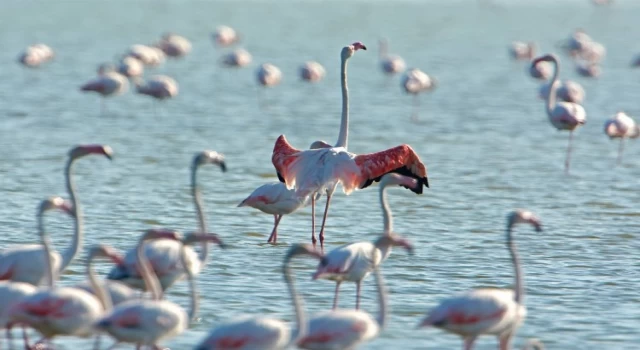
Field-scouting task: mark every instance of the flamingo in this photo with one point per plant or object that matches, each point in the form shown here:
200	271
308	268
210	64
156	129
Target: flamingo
621	126
225	36
260	332
562	115
316	170
130	67
160	87
164	255
174	45
354	262
568	91
491	311
108	83
312	71
35	55
55	310
588	69
268	75
415	82
541	70
519	50
592	52
237	58
576	42
390	64
27	263
148	55
148	322
345	329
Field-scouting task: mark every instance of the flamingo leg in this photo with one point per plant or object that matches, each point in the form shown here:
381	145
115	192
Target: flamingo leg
25	337
505	342
313	220
335	296
96	344
358	285
468	342
274	233
324	220
568	160
620	149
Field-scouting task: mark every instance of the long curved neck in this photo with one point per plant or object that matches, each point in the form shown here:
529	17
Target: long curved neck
193	288
382	297
148	276
202	222
47	249
297	306
519	285
386	212
98	288
551	94
73	250
344	122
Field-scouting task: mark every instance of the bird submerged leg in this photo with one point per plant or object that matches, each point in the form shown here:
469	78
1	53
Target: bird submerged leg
274	233
358	295
505	342
620	149
324	220
568	160
416	105
335	296
468	342
313	220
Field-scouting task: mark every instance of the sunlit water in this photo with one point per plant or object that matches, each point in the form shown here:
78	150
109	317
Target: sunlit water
483	135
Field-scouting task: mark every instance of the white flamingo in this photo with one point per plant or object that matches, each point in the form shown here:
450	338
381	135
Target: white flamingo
130	67
621	126
312	71
160	87
268	75
567	91
35	55
108	83
541	70
27	263
149	322
519	50
174	45
225	36
354	262
390	64
237	58
415	82
320	170
260	332
164	255
148	55
588	69
346	329
491	311
562	115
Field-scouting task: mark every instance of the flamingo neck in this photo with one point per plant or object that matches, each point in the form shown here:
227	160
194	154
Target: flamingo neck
344	122
202	223
193	288
72	251
47	250
151	282
301	329
98	288
382	298
386	212
519	285
551	94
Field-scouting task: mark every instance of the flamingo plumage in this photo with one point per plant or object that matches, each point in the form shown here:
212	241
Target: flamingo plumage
390	64
621	126
268	75
35	55
312	71
225	36
519	50
237	58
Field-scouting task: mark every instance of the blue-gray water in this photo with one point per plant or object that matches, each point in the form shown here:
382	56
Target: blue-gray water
483	134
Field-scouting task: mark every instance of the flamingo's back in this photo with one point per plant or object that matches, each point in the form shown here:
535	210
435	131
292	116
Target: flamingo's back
339	329
248	333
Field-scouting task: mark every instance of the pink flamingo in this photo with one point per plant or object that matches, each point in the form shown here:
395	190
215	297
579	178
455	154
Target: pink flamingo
588	69
148	322
164	255
568	91
35	55
312	71
621	126
237	58
160	87
492	311
108	83
262	332
541	70
269	75
148	55
519	50
390	64
577	42
27	263
130	67
320	170
562	115
354	262
415	82
225	36
174	45
345	329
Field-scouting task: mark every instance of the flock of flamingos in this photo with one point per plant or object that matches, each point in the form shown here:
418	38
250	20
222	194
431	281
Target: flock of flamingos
30	298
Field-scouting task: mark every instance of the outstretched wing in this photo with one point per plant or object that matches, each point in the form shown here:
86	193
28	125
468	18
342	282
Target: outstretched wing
401	159
282	157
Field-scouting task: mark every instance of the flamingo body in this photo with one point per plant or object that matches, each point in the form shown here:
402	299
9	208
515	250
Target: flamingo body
107	84
130	67
26	263
350	262
248	333
237	58
174	45
312	71
519	50
34	55
148	55
269	75
416	81
540	70
12	293
225	36
568	91
274	198
567	116
339	329
390	64
159	86
590	70
620	126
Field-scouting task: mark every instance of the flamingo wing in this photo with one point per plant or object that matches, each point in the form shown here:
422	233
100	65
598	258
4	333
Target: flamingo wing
401	159
283	156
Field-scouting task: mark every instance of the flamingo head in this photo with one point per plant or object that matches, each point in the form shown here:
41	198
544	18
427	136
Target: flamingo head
545	58
57	203
161	233
210	157
393	240
522	216
83	150
300	249
348	50
105	251
196	237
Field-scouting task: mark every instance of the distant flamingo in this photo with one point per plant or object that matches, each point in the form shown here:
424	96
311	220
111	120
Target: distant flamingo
27	263
130	67
260	332
621	126
164	255
225	36
174	45
519	50
592	52
346	329
577	42
148	322
415	82
492	311
35	55
588	69
148	55
237	58
312	71
568	91
160	87
562	115
354	262
268	75
390	64
320	170
541	70
108	83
